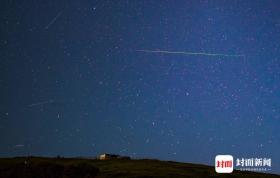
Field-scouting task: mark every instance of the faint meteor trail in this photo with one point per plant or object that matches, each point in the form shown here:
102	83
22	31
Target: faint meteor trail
41	103
19	146
53	20
190	53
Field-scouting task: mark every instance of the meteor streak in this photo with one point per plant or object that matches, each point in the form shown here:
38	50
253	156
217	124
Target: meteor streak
53	20
41	103
190	53
19	146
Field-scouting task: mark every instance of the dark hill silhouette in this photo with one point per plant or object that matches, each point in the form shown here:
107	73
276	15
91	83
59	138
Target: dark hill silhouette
38	167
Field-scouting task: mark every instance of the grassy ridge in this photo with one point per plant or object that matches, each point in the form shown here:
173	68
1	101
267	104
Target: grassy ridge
70	167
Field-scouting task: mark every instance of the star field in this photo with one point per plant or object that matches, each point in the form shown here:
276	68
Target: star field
72	82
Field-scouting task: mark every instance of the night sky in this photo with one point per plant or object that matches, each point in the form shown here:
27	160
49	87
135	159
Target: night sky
74	81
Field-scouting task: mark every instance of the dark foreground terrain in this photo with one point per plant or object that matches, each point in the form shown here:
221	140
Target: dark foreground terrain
36	167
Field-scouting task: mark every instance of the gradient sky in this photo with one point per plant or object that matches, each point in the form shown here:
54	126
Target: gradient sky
72	82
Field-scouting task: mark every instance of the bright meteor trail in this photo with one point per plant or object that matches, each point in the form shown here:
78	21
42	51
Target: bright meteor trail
191	53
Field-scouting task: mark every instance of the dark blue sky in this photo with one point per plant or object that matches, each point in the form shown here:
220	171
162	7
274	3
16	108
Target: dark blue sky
72	82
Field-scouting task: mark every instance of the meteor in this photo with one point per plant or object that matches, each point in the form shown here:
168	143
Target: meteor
53	20
190	53
19	146
41	103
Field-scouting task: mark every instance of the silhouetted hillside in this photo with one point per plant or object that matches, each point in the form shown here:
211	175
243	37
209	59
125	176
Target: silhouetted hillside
80	168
